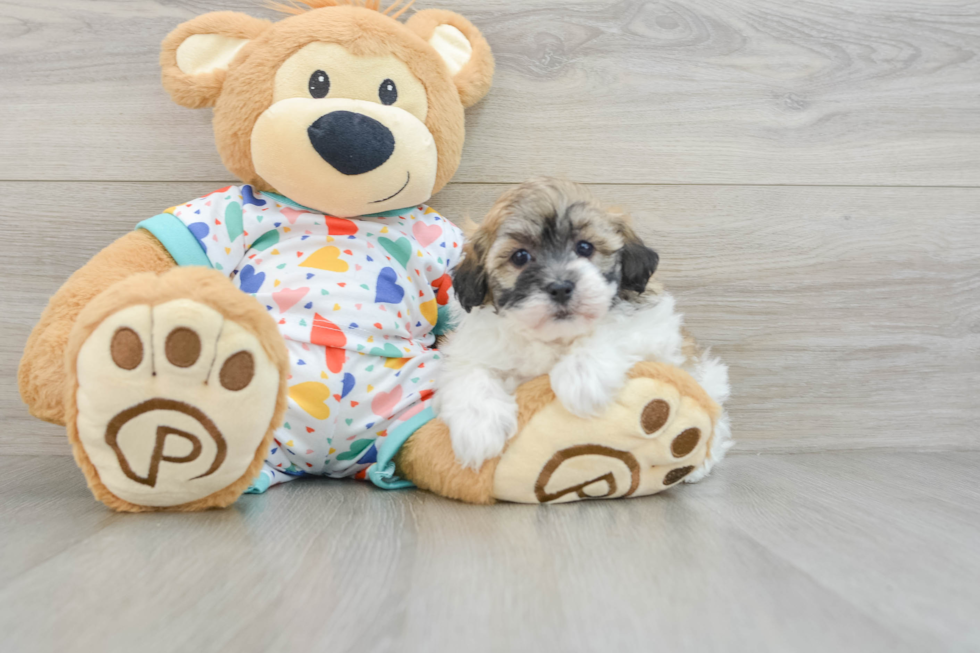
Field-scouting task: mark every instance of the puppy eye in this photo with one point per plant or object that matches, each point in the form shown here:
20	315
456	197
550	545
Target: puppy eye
387	92
520	258
584	248
319	84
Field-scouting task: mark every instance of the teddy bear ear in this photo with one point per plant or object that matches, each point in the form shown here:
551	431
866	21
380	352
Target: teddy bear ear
195	56
461	46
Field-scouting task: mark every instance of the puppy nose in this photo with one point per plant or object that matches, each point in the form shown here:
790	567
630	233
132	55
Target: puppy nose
351	142
560	291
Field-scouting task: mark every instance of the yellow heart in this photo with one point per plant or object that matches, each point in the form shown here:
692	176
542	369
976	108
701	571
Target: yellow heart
396	363
370	388
323	375
227	250
276	284
430	311
429	210
310	396
290	444
384	230
275	252
286	229
336	307
326	258
329	239
332	450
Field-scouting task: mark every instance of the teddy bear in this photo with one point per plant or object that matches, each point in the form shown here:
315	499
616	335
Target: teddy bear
287	326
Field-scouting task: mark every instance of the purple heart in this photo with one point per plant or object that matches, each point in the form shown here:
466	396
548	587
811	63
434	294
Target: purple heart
248	197
249	280
200	231
388	291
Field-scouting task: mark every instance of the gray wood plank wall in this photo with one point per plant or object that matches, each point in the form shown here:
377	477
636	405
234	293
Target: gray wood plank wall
809	172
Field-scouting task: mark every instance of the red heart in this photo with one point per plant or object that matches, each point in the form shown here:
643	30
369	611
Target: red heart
377	325
309	430
442	286
348	252
337	397
354	404
340	226
426	394
299	254
342	284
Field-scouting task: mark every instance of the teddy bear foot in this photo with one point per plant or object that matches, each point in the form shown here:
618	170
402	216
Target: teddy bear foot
176	393
658	431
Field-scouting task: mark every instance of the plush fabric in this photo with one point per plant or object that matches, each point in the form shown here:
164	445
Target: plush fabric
41	377
657	432
202	286
242	93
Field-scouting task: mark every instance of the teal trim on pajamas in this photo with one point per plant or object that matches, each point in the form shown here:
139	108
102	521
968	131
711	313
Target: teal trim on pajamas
177	239
382	473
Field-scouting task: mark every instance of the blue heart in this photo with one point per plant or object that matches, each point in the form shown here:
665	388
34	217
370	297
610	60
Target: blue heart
301	362
249	281
348	385
308	305
248	197
309	275
370	456
388	292
200	231
370	259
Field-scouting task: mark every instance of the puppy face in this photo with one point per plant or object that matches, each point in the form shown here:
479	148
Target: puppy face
551	258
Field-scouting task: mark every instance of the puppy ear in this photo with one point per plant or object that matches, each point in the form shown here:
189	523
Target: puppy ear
195	56
637	261
461	46
470	280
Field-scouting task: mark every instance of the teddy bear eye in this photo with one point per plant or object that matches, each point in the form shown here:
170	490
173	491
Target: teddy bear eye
319	84
387	92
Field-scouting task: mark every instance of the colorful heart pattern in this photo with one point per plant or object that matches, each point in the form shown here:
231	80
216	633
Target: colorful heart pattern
355	299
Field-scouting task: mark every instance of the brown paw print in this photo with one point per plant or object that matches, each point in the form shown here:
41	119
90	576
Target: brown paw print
652	438
173	401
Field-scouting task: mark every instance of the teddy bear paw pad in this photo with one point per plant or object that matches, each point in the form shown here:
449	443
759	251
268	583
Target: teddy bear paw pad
654	435
173	401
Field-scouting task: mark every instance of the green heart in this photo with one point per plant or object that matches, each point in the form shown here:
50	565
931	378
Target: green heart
356	447
400	250
349	421
233	221
288	426
266	240
390	351
370	368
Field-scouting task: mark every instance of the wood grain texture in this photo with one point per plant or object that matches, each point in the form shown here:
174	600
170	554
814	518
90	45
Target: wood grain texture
843	552
850	317
637	91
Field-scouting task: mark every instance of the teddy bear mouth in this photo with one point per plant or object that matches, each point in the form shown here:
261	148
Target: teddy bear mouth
408	178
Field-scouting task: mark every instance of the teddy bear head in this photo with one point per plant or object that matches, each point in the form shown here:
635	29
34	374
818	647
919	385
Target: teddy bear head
340	107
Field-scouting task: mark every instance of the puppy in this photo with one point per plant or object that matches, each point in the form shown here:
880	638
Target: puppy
553	283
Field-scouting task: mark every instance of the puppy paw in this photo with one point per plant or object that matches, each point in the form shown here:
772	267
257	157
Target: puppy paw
480	431
584	386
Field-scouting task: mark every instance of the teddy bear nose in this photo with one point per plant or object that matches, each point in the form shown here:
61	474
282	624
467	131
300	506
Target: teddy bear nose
351	142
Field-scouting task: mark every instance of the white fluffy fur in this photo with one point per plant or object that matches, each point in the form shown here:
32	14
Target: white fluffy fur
491	354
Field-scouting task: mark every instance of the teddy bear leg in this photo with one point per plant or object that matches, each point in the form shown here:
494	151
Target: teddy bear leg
175	385
658	431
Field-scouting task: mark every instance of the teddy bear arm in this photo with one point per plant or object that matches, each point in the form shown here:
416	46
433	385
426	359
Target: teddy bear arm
42	376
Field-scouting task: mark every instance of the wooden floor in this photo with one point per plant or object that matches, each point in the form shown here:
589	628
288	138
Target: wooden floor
809	171
811	552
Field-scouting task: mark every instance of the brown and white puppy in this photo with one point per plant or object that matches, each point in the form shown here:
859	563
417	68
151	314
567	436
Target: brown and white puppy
553	283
